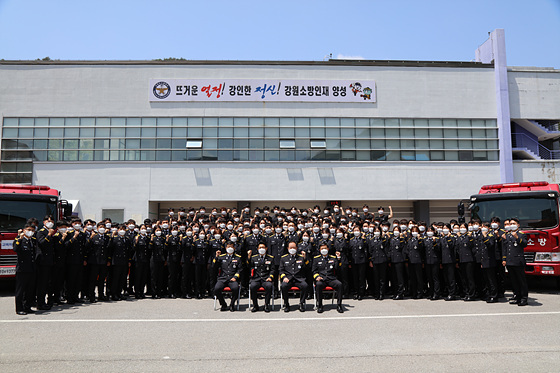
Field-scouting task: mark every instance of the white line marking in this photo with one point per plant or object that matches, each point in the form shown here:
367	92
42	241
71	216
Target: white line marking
339	318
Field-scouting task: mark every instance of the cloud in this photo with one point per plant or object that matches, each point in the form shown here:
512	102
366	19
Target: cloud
345	57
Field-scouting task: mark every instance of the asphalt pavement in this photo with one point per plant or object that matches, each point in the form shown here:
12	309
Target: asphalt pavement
168	335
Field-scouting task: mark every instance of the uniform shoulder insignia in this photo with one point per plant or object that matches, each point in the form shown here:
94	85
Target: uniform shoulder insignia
221	255
237	255
284	255
332	256
252	256
316	256
270	256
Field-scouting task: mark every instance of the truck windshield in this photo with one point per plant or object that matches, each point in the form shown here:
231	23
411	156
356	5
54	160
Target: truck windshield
14	214
531	212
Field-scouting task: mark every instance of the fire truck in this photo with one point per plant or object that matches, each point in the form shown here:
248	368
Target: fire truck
535	204
19	203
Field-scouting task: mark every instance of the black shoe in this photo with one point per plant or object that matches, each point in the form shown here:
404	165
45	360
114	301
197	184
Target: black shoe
232	308
266	308
43	307
21	313
381	297
286	308
188	296
360	297
173	296
93	300
469	299
523	302
320	309
355	296
492	300
199	296
513	301
224	308
435	297
340	309
158	296
29	310
302	307
254	308
398	297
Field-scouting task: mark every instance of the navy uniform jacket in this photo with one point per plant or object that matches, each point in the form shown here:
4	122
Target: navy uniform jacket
464	247
487	253
45	245
478	245
276	244
200	251
378	249
229	266
498	233
26	250
293	267
75	248
306	247
173	248
358	248
513	249
159	253
186	248
414	250
432	250
252	242
261	267
119	250
59	250
447	245
97	248
341	245
142	248
396	248
215	245
292	237
325	267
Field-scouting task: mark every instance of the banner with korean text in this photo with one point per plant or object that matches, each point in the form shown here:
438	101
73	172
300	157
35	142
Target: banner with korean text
269	90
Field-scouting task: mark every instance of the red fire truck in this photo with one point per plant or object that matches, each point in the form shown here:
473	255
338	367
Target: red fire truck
17	204
535	204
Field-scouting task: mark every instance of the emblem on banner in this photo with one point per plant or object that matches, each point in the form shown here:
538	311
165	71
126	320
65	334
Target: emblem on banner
161	90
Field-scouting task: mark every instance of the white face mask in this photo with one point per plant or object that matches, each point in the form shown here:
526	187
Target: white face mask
181	213
356	234
158	233
332	230
475	227
484	230
396	233
324	252
494	225
462	230
196	229
262	226
62	230
49	224
143	232
421	228
121	233
222	225
171	213
316	230
189	233
278	230
385	228
113	230
202	212
230	227
348	212
131	226
470	228
77	227
165	226
305	238
214	213
339	235
380	212
201	236
246	233
29	234
403	227
262	251
376	234
325	236
507	227
268	231
174	233
229	250
255	231
101	230
455	230
446	231
414	234
430	234
513	227
108	225
233	238
292	251
217	236
371	229
206	226
182	228
326	212
366	210
291	229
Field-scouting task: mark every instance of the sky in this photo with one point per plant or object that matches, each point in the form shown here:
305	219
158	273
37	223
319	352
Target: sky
304	30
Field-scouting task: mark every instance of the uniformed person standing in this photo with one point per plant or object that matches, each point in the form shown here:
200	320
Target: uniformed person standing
292	273
377	248
119	248
514	243
59	268
187	264
75	261
25	246
142	254
262	275
45	261
97	248
414	253
229	266
488	263
157	262
324	274
464	246
396	247
359	258
432	253
448	262
173	248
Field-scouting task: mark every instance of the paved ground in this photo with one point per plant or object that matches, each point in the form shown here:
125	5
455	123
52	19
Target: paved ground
187	335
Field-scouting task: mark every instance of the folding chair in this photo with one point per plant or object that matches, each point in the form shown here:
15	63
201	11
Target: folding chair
261	290
292	289
326	289
228	289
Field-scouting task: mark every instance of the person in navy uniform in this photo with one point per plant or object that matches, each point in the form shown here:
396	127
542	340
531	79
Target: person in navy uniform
119	249
324	274
229	266
45	261
414	253
292	273
359	259
448	261
488	263
173	248
377	248
464	246
157	262
432	252
514	243
97	248
75	261
262	275
142	254
25	246
59	269
397	244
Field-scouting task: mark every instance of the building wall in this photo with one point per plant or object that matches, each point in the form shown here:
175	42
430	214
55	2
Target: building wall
115	90
534	94
536	171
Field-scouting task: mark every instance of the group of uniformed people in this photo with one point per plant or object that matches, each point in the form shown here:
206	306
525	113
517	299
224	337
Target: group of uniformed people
193	253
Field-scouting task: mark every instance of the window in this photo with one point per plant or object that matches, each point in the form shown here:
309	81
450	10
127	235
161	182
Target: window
287	144
194	144
318	144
